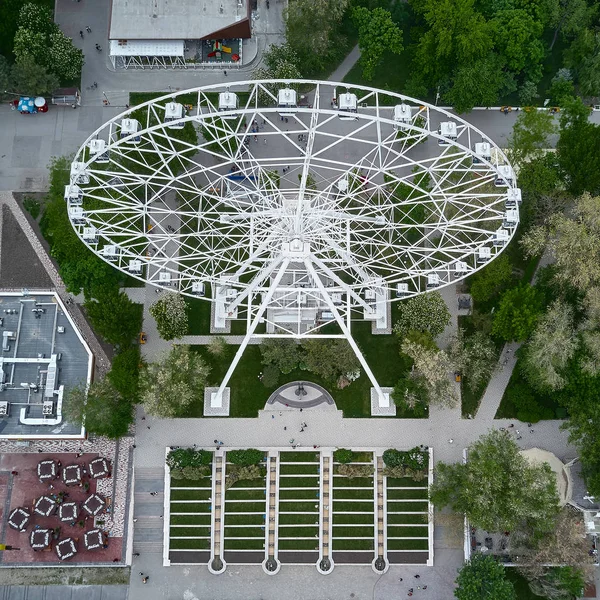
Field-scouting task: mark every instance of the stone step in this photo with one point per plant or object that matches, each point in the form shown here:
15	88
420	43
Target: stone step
149	473
144	547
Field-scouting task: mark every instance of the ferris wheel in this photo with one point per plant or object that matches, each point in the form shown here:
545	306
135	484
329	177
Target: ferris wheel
293	211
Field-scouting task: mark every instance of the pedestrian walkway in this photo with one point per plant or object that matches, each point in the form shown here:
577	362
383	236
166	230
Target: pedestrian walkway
148	510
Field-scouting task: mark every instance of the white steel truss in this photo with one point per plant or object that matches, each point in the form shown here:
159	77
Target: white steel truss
356	204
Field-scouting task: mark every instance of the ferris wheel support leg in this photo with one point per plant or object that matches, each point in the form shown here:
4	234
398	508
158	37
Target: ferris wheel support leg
217	398
384	399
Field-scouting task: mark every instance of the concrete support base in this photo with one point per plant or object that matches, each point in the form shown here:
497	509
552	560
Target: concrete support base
216	411
382	411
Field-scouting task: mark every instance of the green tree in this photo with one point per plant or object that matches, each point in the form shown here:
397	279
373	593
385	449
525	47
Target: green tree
377	34
478	83
517	313
583	57
574	240
426	312
559	583
551	347
64	59
411	397
309	23
482	578
517	38
432	367
456	35
475	356
30	43
281	62
170	386
101	409
4	76
115	317
170	314
331	359
573	16
530	135
562	89
245	457
491	280
497	488
29	77
84	271
124	373
284	354
343	456
36	17
578	149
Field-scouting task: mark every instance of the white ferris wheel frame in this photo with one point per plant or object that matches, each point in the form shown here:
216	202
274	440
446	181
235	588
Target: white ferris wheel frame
338	248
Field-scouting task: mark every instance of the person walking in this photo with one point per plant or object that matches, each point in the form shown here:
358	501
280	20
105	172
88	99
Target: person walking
88	29
225	73
81	34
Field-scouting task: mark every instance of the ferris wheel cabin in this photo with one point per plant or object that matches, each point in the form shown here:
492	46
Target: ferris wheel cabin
79	173
129	127
228	102
505	176
447	130
286	102
483	151
514	198
348	106
402	115
73	195
97	148
173	112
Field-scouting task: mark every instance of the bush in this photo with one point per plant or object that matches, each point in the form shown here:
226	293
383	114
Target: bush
32	207
355	470
400	472
527	407
245	457
195	473
343	456
415	459
426	312
235	473
270	376
188	457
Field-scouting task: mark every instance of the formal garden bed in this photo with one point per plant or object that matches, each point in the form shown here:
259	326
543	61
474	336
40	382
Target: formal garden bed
299	515
407	505
190	499
353	501
244	519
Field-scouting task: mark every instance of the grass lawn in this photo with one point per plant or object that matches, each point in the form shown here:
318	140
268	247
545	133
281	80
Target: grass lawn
307	494
299	544
197	544
341	482
293	531
410	519
249	519
251	531
242	507
312	469
292	482
299	519
253	494
184	507
353	519
352	531
190	519
398	531
250	544
393	482
299	507
394	544
189	532
401	493
548	407
203	494
397	506
352	494
249	395
353	544
183	483
302	457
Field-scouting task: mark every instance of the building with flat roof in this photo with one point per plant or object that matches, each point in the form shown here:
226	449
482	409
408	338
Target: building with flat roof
43	354
185	33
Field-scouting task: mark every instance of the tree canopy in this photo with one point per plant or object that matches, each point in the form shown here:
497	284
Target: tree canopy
170	314
171	385
483	578
497	488
425	312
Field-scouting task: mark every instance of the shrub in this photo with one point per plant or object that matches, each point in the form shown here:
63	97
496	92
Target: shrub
195	473
188	457
237	473
400	472
355	470
270	376
32	207
415	459
245	457
343	456
527	407
491	280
